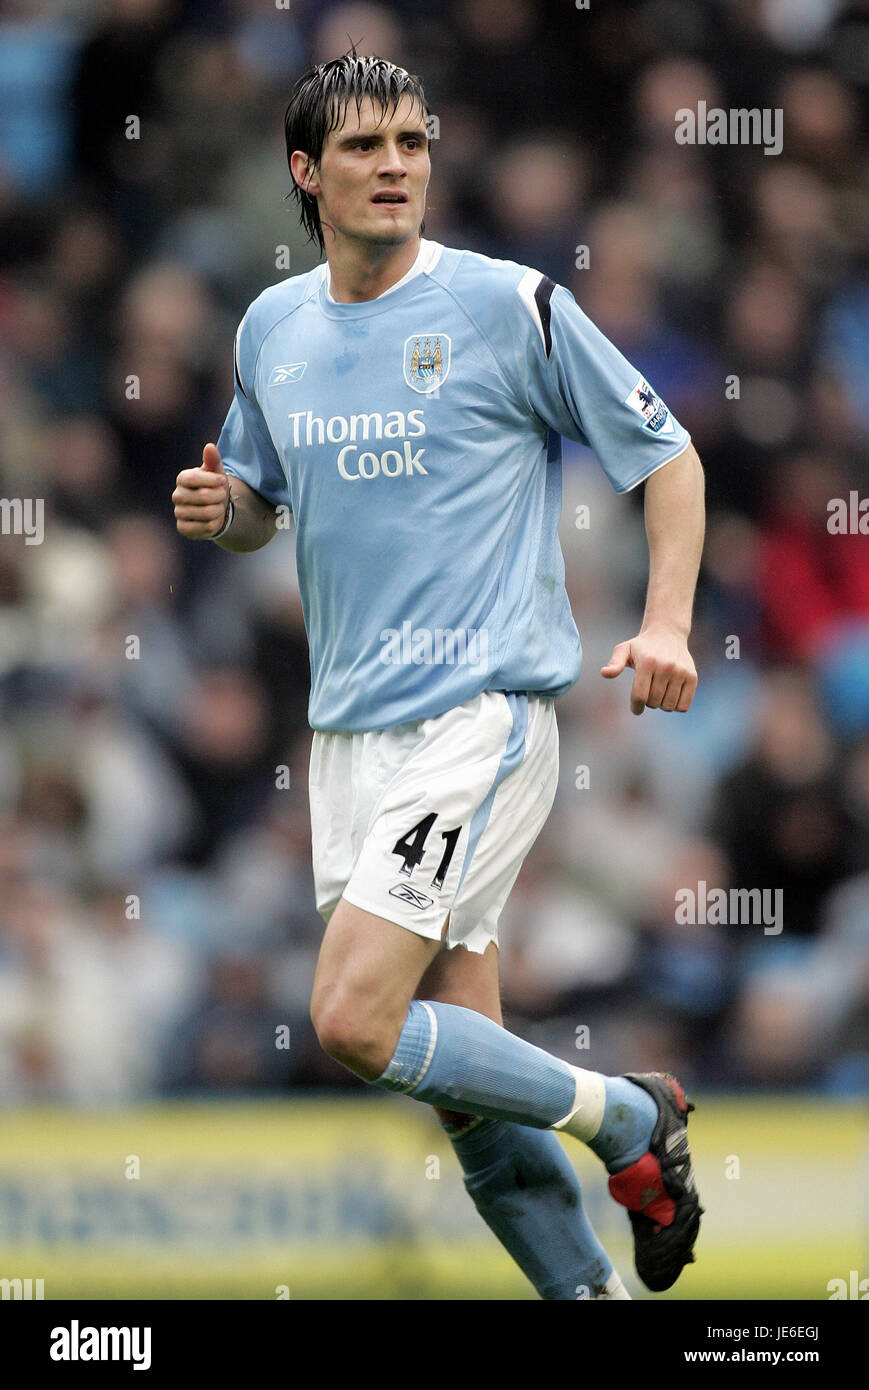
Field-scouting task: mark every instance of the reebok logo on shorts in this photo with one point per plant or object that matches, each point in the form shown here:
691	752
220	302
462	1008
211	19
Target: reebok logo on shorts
410	895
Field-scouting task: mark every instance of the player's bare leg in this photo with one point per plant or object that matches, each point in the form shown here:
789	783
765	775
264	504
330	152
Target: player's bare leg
519	1178
367	973
457	1059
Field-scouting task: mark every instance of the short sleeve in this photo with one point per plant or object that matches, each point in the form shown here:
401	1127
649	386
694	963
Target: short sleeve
582	386
245	443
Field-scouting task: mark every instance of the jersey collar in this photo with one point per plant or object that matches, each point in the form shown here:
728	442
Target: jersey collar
427	258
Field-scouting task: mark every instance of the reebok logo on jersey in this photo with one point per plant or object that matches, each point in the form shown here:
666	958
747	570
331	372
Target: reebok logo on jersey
281	376
656	416
410	895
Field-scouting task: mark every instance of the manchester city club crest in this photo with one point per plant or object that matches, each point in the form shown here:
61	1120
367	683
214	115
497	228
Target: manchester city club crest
426	361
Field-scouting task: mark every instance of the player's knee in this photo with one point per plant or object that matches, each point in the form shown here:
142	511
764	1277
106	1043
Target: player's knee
352	1037
333	1026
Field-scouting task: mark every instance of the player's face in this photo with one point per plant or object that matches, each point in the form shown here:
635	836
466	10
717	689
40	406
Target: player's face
373	174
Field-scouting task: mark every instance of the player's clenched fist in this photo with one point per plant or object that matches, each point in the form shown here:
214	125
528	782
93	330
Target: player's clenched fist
201	497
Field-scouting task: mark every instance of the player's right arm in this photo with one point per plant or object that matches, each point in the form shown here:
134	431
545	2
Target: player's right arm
201	500
243	465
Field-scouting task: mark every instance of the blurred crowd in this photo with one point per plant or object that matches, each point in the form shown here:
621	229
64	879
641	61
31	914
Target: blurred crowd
157	925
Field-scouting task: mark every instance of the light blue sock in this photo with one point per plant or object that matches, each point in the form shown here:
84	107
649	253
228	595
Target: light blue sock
466	1062
526	1190
460	1060
629	1117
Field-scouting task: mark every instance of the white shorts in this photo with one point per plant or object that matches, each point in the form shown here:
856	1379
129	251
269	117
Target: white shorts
435	816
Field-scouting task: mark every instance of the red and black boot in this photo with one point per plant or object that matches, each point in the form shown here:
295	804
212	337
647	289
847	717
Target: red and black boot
658	1190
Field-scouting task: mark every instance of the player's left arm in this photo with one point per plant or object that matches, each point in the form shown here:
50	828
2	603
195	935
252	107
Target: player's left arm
579	383
664	673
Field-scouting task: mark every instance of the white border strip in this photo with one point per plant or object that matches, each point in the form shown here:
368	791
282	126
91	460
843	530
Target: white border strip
525	290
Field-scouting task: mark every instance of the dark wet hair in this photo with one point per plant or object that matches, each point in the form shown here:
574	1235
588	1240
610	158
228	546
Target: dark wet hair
318	105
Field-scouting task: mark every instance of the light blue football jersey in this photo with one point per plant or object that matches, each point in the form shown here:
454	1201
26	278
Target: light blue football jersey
416	439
